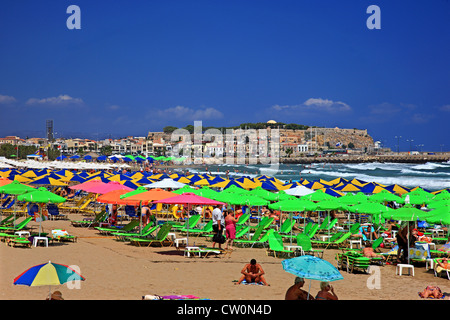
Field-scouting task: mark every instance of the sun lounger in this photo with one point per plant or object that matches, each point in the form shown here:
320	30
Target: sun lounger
128	227
338	242
276	246
304	242
145	232
352	261
161	238
100	217
19	226
207	228
262	241
19	241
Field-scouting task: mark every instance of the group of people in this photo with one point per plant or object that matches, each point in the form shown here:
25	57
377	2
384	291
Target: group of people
295	292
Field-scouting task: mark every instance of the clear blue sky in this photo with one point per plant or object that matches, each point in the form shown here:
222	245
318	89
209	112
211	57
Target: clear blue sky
137	66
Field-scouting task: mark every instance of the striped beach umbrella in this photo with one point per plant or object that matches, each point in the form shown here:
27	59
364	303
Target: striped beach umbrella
48	274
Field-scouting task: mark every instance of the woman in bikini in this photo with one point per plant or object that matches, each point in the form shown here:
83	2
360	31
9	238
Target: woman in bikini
326	292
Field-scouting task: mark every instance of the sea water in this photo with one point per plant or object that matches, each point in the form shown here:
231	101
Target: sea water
430	176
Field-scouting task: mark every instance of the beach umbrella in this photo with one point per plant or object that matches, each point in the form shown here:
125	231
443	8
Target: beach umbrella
372	187
165	184
49	181
102	158
299	191
185	189
318	195
189	199
385	196
131	193
349	187
87	184
439	204
107	187
115	197
61	157
443	195
48	274
15	188
75	157
4	181
352	199
41	196
395	188
440	216
312	268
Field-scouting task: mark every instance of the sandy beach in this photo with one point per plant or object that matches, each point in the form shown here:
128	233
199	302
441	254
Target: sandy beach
119	271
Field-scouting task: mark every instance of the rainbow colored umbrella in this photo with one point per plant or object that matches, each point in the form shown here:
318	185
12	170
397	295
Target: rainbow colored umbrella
48	274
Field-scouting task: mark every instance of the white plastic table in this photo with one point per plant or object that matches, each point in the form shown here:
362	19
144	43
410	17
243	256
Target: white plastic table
22	233
355	242
36	239
409	267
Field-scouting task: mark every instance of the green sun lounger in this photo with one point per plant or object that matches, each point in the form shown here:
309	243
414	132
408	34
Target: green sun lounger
19	241
128	227
305	242
207	228
161	237
276	246
336	242
262	241
146	231
18	227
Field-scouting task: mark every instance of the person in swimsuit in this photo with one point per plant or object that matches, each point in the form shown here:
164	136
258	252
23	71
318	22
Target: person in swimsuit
146	212
295	292
326	292
230	229
252	272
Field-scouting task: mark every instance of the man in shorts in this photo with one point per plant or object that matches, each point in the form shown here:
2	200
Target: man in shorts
253	273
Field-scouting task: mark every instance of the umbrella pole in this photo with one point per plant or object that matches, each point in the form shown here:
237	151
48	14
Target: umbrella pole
309	290
140	217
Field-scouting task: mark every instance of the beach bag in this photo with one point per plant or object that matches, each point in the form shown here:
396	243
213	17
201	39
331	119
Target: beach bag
219	238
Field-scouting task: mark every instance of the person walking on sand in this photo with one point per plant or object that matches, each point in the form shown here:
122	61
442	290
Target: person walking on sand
230	229
252	273
218	224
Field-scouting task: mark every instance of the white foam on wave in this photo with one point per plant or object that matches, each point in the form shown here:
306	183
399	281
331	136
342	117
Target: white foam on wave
430	166
407	181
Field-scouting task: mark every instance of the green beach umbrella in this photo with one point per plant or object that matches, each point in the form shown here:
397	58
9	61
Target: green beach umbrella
353	199
41	195
184	189
15	188
132	193
443	195
385	196
370	208
318	196
438	204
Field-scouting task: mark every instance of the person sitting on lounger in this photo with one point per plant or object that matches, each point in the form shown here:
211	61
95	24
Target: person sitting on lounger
443	263
252	273
368	251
